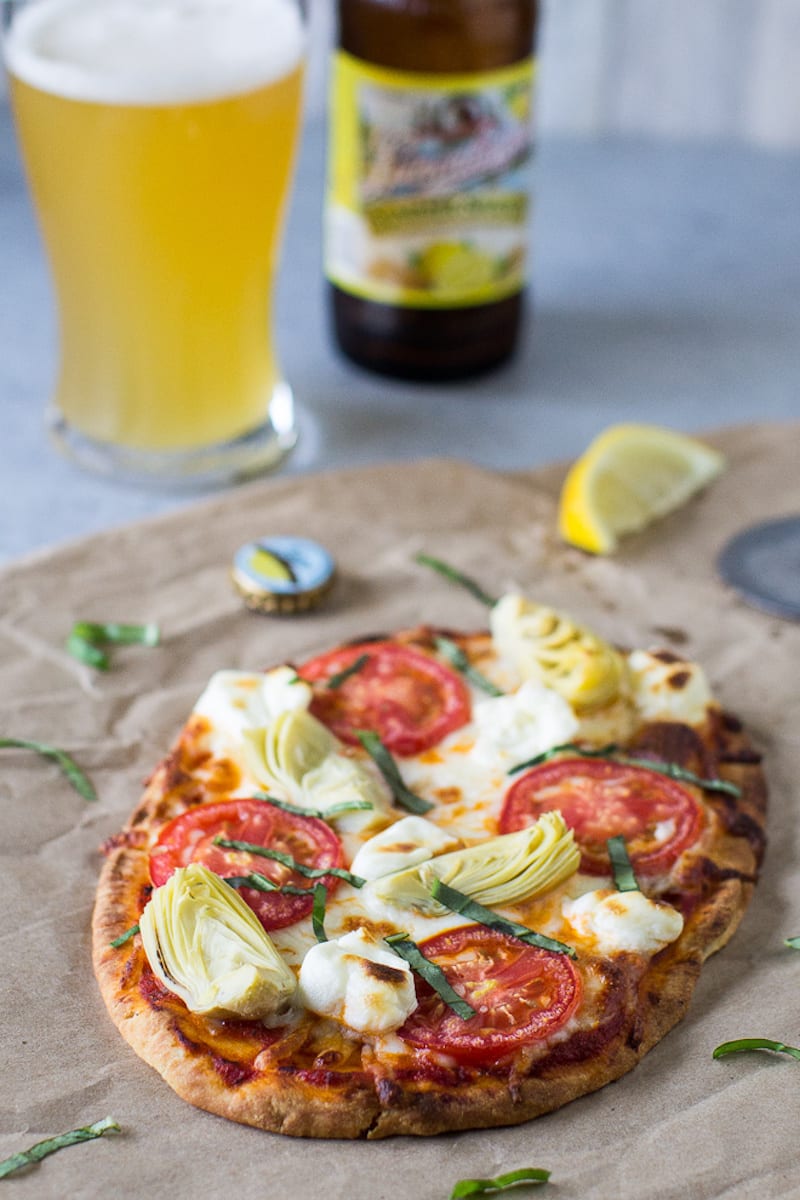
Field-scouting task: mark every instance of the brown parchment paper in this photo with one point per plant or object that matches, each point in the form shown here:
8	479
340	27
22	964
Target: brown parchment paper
681	1125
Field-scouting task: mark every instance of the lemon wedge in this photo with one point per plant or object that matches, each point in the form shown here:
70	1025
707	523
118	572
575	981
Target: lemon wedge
628	477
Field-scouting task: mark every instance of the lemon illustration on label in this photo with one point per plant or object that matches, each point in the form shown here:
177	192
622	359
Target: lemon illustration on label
456	267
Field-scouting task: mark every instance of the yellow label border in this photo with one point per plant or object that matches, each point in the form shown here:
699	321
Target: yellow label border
438	81
409	298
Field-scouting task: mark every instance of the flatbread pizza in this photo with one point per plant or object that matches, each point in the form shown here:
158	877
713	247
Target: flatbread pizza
428	881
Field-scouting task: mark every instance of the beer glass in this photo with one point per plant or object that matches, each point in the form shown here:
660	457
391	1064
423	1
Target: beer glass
158	138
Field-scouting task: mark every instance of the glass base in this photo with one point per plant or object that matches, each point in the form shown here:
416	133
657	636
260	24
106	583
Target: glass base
259	451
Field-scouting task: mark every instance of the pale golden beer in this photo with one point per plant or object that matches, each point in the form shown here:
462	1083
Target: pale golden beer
161	207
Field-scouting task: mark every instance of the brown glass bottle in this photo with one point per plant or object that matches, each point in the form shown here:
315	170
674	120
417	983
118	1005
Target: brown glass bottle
432	37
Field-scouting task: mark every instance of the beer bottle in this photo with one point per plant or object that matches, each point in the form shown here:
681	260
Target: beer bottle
428	195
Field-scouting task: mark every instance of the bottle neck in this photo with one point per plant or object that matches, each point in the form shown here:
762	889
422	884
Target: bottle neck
441	36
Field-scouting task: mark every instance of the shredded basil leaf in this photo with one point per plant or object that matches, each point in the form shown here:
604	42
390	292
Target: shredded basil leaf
322	814
621	867
125	937
114	634
318	912
389	770
475	589
755	1044
458	902
565	748
402	944
262	883
488	1187
612	751
674	771
41	1150
340	677
81	782
288	861
87	652
458	659
793	942
87	638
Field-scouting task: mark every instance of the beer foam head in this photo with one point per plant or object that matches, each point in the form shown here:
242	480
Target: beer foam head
154	51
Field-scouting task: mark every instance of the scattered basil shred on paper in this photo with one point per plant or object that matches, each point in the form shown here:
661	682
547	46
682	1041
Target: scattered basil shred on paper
501	1183
87	652
455	576
742	1044
87	640
40	1150
69	768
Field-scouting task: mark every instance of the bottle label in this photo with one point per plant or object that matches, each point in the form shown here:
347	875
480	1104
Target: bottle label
428	189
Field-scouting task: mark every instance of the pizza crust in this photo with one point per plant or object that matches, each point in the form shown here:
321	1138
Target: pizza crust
719	880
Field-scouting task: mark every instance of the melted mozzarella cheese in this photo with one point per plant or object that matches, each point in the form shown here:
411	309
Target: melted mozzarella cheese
624	921
419	926
467	794
668	688
357	981
511	729
410	841
467	773
238	700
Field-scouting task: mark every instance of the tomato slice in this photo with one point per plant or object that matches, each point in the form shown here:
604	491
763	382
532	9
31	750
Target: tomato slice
657	816
190	837
520	994
408	698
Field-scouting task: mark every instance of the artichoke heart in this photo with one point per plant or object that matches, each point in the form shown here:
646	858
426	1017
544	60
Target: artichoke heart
546	645
208	947
281	754
339	780
504	870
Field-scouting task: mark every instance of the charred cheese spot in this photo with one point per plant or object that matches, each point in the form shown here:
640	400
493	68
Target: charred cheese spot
378	929
384	973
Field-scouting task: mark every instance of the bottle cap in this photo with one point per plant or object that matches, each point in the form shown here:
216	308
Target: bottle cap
282	574
763	564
